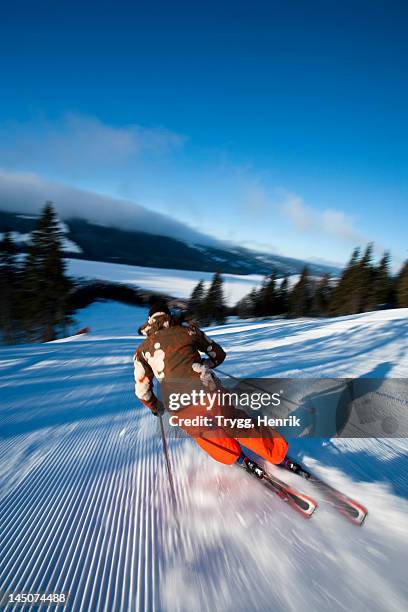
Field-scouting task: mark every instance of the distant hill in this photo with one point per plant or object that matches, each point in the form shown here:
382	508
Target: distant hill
86	240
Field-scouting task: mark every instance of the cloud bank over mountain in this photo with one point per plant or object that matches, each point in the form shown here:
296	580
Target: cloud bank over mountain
139	177
26	192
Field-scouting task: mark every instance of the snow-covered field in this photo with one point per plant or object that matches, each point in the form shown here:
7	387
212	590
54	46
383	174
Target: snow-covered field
177	283
84	497
110	318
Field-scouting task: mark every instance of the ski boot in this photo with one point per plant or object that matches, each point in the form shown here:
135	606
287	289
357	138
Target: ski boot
294	467
251	466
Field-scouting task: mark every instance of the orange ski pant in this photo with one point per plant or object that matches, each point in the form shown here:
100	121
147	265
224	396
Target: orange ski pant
227	450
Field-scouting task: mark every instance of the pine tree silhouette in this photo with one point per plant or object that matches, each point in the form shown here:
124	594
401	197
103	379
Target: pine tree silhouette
383	282
300	296
258	300
45	285
321	297
366	282
8	289
402	287
283	297
196	302
215	309
345	295
269	297
246	307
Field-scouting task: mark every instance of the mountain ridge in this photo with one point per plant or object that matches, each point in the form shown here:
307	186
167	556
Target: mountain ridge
86	240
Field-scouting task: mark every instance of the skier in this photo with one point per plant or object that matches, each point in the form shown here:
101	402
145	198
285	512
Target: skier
171	352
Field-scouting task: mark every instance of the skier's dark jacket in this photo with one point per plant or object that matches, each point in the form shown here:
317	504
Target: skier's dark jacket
171	351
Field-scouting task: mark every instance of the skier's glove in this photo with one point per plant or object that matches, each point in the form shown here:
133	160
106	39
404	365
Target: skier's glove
158	409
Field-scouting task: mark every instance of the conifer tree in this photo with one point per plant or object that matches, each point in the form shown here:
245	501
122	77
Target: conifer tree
8	289
321	297
215	309
383	283
247	306
402	287
282	305
345	295
45	285
365	281
258	300
196	302
269	297
300	296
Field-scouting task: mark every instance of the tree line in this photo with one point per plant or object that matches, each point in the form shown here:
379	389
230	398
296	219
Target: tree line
362	286
208	306
37	298
34	290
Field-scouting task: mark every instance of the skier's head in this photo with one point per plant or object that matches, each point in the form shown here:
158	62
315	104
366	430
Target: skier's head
158	308
160	316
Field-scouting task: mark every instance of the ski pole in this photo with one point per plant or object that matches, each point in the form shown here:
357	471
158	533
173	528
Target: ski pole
168	464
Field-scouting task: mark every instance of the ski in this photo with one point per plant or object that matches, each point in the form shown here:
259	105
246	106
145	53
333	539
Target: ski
348	507
298	501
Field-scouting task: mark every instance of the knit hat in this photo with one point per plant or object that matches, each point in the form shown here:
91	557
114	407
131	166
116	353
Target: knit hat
159	307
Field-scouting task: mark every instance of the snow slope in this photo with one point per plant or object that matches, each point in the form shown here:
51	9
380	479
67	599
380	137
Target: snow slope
177	283
110	318
84	498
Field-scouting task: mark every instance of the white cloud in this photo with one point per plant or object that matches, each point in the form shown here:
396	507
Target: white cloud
339	224
79	145
310	220
26	192
302	216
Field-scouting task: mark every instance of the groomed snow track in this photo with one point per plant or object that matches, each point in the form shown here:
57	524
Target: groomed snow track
85	506
79	514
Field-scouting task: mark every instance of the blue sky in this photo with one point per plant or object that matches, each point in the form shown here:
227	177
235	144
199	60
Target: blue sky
277	125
